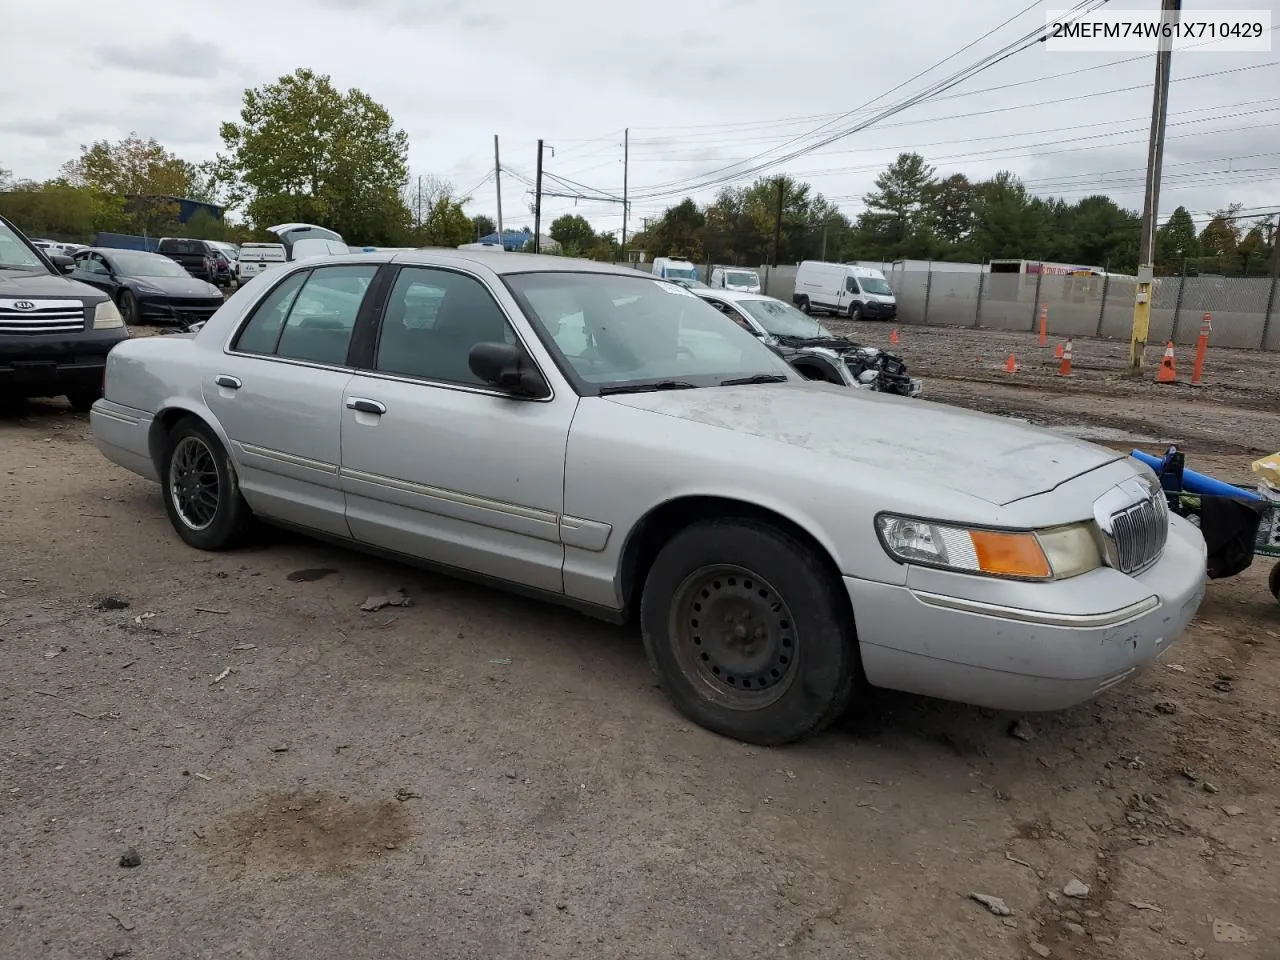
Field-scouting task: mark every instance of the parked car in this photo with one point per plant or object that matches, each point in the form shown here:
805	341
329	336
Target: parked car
55	332
813	350
148	288
736	278
859	293
605	439
256	258
198	257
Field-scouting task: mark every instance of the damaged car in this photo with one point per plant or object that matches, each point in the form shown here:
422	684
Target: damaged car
814	351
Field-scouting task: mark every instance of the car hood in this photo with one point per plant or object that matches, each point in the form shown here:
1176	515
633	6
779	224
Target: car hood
976	454
45	285
178	286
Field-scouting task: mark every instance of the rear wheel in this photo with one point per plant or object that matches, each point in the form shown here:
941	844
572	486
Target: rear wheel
747	632
82	399
201	491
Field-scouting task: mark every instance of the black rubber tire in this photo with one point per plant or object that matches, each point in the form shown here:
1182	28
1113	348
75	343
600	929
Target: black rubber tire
855	311
129	308
232	517
82	400
826	651
1274	581
804	306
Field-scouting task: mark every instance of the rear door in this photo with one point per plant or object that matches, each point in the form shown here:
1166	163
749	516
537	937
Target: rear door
278	391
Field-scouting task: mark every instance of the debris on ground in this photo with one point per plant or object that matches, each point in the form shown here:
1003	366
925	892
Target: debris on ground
1143	905
141	617
280	748
1208	787
994	904
130	858
1224	931
1233	811
220	677
501	661
1076	889
1074	928
1039	949
1167	707
126	926
404	794
112	602
1021	730
395	598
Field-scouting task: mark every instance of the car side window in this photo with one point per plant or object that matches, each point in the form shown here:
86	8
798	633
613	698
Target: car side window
262	331
318	327
432	320
851	285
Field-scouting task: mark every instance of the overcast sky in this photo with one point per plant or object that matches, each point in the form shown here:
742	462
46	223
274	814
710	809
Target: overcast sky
700	85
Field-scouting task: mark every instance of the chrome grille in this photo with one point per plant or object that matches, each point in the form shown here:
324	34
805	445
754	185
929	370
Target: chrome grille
1137	534
21	316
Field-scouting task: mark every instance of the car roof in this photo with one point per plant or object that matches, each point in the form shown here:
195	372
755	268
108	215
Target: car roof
724	294
499	262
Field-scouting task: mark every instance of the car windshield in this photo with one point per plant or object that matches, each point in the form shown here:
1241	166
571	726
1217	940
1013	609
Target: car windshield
620	332
783	320
680	273
875	285
739	278
16	255
134	264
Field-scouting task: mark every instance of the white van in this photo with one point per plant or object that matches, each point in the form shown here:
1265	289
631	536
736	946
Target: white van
670	269
860	293
735	278
255	258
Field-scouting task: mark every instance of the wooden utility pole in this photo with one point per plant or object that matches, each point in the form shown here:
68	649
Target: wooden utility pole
1151	198
777	223
537	205
626	149
497	182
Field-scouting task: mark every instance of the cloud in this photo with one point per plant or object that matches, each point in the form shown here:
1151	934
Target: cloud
180	56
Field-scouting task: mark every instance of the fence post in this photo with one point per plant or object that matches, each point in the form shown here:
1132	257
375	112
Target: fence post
1102	307
1035	301
1266	317
977	311
928	290
1177	304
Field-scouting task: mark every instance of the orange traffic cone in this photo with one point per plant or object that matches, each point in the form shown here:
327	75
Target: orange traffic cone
1064	368
893	337
1011	365
1057	352
1168	366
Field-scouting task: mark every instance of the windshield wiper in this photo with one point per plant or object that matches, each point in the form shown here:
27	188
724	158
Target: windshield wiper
651	387
755	378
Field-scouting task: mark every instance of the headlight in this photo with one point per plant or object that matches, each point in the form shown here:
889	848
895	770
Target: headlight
106	316
1054	553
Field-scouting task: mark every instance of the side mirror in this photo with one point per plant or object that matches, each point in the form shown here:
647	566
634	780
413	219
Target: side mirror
505	366
64	263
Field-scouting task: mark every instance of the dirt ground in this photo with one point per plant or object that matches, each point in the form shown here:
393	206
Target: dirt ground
477	775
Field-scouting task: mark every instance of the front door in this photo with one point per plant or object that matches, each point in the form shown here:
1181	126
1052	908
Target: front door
278	394
438	465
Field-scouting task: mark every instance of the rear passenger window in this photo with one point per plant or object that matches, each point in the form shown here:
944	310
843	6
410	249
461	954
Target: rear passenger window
262	331
433	319
318	327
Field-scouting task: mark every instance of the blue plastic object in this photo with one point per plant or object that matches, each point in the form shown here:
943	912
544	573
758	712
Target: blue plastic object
1193	482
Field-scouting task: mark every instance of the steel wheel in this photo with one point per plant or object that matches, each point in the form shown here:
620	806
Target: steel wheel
735	637
193	483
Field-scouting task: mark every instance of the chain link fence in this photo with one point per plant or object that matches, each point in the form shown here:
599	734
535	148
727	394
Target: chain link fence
1245	310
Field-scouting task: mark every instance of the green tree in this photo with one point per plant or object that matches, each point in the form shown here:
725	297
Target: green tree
1105	235
130	167
304	150
678	232
60	209
1176	239
573	233
483	226
1221	234
949	204
1007	222
445	224
898	207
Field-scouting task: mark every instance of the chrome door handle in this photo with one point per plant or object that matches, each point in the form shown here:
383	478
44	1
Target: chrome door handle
363	405
228	381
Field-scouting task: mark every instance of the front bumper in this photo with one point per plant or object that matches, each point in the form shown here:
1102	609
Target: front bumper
45	365
879	311
166	310
1061	644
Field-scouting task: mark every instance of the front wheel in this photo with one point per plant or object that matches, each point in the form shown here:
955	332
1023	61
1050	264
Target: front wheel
855	311
747	632
129	308
201	492
804	305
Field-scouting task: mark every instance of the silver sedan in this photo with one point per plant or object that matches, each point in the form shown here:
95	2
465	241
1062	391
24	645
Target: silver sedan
607	440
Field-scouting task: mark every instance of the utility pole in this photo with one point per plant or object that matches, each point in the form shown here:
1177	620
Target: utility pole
497	182
626	149
777	223
1171	10
537	206
1275	249
419	201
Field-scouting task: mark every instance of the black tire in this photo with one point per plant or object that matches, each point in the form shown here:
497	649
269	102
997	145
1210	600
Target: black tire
82	399
1274	581
855	311
785	681
129	308
804	305
194	458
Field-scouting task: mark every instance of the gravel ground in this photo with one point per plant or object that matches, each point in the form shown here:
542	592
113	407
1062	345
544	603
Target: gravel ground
477	775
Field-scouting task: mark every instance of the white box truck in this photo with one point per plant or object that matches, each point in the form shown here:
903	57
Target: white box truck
859	293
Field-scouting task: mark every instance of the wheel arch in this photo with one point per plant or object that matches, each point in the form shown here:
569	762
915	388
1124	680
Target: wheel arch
167	418
652	531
